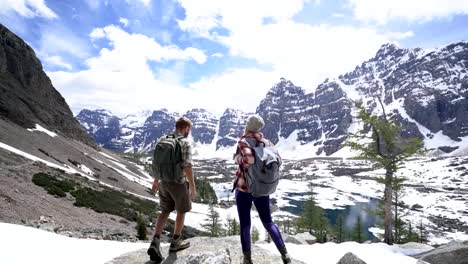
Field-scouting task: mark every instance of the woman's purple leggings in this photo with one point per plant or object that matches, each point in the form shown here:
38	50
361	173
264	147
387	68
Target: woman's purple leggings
244	205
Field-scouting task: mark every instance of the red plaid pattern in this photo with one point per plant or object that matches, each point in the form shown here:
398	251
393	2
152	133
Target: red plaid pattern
245	157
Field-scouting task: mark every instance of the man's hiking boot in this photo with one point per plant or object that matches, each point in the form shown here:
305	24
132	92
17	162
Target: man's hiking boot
154	251
285	256
178	244
247	257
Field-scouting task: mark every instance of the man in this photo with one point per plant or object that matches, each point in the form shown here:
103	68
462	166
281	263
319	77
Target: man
176	191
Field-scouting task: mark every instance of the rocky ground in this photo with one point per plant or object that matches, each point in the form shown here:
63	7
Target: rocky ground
205	250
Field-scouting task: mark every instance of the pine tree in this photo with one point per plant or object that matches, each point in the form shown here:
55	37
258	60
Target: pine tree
422	235
255	234
314	219
340	229
398	223
411	235
387	149
235	227
232	226
141	228
213	224
205	193
357	231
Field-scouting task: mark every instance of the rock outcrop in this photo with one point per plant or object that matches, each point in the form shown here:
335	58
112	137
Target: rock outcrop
350	258
453	253
225	250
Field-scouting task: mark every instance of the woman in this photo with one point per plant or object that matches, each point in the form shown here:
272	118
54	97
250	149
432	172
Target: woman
245	157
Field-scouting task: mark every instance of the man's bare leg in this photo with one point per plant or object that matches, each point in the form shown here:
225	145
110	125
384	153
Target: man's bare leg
177	242
179	224
160	224
154	251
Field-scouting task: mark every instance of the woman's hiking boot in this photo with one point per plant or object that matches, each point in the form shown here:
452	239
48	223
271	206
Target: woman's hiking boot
247	257
285	256
178	244
154	251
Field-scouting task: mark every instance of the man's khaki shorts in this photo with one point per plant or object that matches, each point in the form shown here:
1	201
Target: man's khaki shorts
174	196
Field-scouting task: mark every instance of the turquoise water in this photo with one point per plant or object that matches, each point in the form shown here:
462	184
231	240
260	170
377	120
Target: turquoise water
350	213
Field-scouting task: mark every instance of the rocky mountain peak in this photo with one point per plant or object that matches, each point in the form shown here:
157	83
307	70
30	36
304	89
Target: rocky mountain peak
285	88
386	50
204	125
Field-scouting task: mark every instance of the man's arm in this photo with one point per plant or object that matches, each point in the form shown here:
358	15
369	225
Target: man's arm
193	189
187	167
155	172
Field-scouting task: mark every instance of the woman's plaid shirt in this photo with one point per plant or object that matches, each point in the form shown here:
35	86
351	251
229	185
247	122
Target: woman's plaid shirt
245	157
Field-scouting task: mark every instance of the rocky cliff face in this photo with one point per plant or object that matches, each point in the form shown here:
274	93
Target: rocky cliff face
131	134
231	127
322	118
205	125
426	90
27	95
103	126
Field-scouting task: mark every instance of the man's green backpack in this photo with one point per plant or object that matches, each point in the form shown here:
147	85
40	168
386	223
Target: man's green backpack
167	158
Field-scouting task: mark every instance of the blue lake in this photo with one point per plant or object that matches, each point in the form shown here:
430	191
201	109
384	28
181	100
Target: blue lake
350	213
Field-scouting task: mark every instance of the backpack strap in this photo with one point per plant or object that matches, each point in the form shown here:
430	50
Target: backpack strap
253	142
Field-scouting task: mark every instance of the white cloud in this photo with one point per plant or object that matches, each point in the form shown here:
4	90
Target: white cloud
57	61
120	79
384	11
306	54
131	51
124	21
27	8
204	15
236	88
58	40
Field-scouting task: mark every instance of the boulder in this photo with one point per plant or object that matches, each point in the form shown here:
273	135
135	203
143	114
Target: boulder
454	253
350	258
301	239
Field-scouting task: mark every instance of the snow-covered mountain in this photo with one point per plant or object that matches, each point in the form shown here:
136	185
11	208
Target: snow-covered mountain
426	90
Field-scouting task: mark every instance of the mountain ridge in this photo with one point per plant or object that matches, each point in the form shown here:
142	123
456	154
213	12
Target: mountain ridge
426	91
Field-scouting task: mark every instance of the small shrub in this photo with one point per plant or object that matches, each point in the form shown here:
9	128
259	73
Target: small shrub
142	232
54	190
113	202
52	185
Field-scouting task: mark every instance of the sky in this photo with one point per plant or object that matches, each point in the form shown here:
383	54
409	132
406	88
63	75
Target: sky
128	56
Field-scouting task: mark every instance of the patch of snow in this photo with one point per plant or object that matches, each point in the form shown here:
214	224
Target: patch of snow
289	148
41	129
85	169
331	253
56	249
63	167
